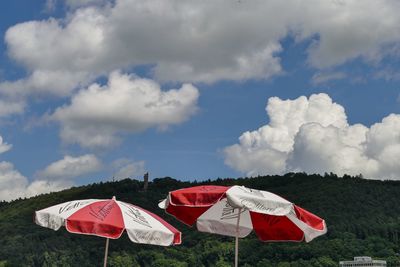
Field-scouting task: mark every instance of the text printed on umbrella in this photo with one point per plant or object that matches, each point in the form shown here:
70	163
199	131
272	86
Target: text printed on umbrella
229	212
136	216
102	211
71	205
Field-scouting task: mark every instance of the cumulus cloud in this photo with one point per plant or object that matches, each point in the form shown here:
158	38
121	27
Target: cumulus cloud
57	176
4	146
9	107
203	40
127	168
43	82
14	185
184	41
71	167
126	104
194	41
348	30
312	135
38	187
38	51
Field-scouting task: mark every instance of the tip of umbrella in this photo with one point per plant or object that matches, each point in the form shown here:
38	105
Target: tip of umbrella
113	198
163	204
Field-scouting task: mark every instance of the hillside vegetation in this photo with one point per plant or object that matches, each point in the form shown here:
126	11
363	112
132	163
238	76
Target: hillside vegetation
363	218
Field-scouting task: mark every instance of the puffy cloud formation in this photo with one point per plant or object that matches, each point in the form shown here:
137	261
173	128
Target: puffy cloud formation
55	82
11	106
341	28
127	168
57	176
4	146
14	185
196	41
71	167
312	135
126	104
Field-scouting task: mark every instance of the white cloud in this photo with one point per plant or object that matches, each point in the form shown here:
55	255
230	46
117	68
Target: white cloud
80	3
57	176
127	168
14	185
388	74
193	41
126	104
348	30
323	77
313	135
9	107
202	40
4	147
38	187
57	59
70	167
48	45
190	41
319	149
43	82
50	5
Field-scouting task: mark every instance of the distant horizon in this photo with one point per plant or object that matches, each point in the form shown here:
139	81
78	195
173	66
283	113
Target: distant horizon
331	175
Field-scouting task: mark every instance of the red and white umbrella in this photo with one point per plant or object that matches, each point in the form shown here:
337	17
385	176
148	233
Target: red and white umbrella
109	218
237	210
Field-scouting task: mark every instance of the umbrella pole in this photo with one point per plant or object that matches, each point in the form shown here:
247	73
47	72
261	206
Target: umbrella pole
106	252
237	240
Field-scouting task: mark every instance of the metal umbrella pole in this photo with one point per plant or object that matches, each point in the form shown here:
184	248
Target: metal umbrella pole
106	252
237	240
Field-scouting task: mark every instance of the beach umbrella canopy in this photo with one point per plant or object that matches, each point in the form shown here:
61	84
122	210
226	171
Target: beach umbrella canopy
109	218
237	210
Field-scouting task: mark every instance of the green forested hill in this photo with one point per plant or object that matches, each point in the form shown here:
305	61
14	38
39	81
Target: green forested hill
363	218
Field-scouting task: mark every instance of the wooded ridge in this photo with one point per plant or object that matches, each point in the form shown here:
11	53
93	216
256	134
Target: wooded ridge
363	218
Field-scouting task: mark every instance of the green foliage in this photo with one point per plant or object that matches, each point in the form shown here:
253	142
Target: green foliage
122	259
363	218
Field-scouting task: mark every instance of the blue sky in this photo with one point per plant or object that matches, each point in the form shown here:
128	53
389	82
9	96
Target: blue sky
91	90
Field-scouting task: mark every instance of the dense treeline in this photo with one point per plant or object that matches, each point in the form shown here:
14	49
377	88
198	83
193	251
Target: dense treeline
363	218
